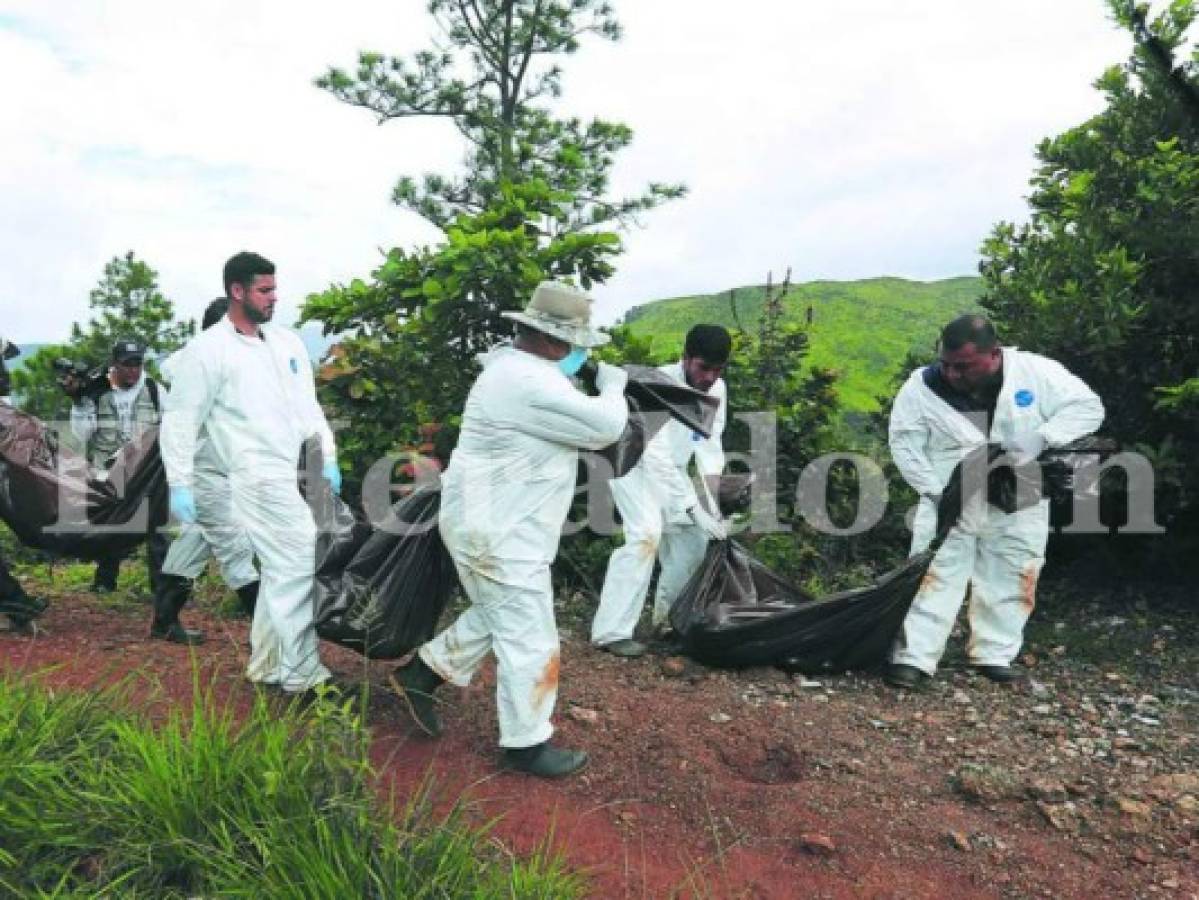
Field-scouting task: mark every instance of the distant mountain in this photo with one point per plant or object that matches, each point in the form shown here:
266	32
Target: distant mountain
862	329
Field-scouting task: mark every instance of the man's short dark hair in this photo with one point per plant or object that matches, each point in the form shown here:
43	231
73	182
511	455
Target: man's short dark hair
243	267
215	312
969	329
711	343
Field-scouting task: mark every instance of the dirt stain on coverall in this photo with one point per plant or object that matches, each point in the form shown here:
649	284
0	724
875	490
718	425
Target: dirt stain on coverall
548	682
929	582
648	547
1028	585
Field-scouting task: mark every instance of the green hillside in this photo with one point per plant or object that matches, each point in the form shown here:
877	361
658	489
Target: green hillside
862	329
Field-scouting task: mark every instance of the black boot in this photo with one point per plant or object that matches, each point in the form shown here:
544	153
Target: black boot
248	595
173	591
104	581
545	760
415	684
22	609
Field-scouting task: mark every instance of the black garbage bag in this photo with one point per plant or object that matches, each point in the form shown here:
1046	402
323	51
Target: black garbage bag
52	501
653	397
1054	474
736	612
381	591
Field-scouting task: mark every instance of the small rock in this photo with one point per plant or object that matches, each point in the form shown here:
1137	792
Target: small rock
807	683
1170	787
1038	690
1126	743
1062	816
1142	856
960	840
1029	660
817	844
1047	789
1171	884
1137	809
961	697
1187	804
720	718
582	714
986	783
674	666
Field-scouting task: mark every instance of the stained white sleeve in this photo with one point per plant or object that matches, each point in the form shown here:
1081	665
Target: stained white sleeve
671	482
559	412
709	455
83	421
192	395
315	416
907	435
1072	409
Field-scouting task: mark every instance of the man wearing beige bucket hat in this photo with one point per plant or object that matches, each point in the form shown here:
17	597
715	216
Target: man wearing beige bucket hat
505	496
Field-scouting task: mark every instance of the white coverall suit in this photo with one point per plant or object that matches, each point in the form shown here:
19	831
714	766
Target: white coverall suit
999	555
505	495
256	398
653	500
214	531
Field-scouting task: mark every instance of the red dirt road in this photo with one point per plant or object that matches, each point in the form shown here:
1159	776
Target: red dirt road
750	784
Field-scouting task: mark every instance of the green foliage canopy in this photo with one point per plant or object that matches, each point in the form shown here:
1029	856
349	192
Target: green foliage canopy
413	331
127	304
1105	276
488	81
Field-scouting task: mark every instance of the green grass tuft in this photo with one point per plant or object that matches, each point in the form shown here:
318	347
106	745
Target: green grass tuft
97	801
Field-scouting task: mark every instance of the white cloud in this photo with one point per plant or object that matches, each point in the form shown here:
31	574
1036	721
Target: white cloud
842	140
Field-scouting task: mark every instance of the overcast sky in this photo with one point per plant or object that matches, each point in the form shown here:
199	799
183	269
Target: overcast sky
845	140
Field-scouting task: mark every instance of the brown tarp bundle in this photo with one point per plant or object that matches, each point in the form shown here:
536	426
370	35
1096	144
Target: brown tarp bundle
53	502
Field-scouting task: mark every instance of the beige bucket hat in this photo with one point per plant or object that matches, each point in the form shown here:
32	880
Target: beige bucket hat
563	312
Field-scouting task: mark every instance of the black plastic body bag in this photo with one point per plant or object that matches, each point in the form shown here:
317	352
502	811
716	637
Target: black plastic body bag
736	612
381	591
52	501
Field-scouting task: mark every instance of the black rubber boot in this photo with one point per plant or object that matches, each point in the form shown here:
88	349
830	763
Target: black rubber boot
545	760
248	595
104	581
1001	674
173	592
22	609
415	683
905	677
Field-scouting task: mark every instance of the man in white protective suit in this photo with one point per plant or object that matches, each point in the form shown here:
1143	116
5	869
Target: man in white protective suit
662	515
979	392
249	385
505	496
212	534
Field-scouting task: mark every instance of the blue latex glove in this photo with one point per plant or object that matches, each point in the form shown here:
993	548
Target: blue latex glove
183	504
332	474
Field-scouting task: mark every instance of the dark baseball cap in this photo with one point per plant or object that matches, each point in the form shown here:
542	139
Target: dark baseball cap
128	352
